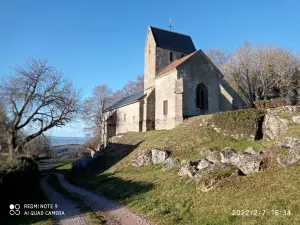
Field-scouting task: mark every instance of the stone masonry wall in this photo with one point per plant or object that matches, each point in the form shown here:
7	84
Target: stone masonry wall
196	70
165	90
150	61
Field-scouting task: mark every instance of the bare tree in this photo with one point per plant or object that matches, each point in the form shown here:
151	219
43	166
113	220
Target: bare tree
40	146
94	106
36	99
131	87
261	72
103	97
218	56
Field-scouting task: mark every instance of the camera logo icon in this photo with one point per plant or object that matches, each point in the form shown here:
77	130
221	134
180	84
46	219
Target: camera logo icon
14	209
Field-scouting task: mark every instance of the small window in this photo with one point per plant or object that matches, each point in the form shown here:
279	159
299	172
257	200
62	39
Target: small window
171	56
182	55
124	117
165	106
202	96
133	118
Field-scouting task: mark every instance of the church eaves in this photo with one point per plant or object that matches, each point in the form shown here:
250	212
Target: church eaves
127	100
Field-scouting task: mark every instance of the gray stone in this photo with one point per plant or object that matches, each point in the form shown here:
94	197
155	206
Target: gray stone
171	163
144	158
158	156
214	157
248	163
210	154
288	159
226	154
296	119
253	151
274	126
203	163
187	171
211	177
289	142
184	162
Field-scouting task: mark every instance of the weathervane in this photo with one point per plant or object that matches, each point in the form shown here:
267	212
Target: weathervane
170	25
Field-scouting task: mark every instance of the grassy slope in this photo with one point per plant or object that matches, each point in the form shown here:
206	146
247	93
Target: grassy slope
165	199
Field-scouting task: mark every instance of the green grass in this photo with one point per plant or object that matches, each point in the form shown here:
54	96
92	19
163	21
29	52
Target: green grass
58	160
93	217
164	198
288	116
293	130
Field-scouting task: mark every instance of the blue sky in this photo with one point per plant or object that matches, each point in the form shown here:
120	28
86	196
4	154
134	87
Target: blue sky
95	42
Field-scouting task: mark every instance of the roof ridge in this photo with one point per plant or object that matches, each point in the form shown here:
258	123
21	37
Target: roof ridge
170	31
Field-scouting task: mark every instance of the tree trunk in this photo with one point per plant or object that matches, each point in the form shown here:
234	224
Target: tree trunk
11	142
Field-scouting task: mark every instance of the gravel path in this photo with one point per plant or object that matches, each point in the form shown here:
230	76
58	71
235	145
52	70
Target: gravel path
72	215
118	214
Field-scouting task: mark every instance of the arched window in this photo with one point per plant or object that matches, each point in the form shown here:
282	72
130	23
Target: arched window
202	96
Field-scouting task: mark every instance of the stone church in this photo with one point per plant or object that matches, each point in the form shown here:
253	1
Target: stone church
179	82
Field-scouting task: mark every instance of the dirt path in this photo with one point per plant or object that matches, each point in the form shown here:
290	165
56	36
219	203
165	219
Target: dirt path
72	214
116	212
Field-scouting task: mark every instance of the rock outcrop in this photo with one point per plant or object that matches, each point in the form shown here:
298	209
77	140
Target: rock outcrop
158	156
171	163
274	126
144	158
245	161
296	119
211	176
289	152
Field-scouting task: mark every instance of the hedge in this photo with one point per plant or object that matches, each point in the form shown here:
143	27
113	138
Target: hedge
245	121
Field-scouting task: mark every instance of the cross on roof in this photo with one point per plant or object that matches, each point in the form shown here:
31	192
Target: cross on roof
170	24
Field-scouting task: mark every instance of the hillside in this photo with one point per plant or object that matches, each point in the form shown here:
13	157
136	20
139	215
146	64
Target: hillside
165	198
56	141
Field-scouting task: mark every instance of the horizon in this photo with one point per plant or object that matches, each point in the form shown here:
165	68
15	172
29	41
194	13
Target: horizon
103	43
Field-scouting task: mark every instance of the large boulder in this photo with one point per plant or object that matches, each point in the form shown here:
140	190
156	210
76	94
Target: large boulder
144	158
158	156
210	154
296	119
246	162
289	152
287	159
226	154
187	169
171	163
289	142
203	163
211	176
274	126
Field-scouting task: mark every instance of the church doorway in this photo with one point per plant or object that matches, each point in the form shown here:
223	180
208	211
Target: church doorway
202	97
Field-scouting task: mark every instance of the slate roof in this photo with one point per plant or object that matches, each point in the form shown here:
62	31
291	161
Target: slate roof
127	100
174	64
172	40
